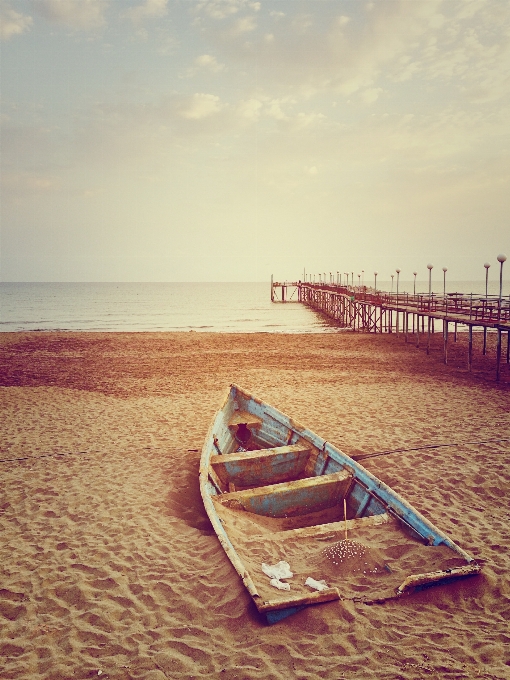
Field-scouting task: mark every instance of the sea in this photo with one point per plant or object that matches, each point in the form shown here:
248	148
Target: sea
137	307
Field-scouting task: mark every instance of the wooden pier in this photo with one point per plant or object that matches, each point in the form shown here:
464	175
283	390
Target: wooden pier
415	317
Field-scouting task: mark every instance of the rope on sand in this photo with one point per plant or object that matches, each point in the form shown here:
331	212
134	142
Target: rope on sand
427	446
47	455
363	456
70	453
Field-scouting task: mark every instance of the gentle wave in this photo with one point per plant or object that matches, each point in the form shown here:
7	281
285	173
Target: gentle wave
135	307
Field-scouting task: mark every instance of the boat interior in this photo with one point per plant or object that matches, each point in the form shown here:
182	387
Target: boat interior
291	480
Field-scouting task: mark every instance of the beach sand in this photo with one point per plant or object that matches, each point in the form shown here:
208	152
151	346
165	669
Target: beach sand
109	566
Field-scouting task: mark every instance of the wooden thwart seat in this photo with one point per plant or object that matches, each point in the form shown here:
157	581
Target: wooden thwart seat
322	530
261	467
290	499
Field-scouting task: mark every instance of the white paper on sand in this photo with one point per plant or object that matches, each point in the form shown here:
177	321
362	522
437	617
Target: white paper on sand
316	585
277	572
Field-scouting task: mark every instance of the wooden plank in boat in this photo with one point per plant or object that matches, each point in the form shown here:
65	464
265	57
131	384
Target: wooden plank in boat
322	530
262	467
289	499
245	418
293	601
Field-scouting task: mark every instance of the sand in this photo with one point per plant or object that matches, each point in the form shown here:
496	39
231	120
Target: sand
109	567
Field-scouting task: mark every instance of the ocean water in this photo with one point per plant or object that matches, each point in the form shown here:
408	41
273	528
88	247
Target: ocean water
217	307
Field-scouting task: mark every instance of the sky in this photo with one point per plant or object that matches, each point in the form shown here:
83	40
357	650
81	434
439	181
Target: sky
228	140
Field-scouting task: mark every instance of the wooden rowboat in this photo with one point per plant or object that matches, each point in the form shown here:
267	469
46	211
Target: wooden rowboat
282	500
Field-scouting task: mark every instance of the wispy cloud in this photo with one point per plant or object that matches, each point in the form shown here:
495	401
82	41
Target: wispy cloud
223	9
84	14
12	22
150	9
209	62
200	106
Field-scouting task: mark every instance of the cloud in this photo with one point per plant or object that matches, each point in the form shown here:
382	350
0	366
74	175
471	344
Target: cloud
150	9
199	106
12	22
28	182
243	25
274	110
250	109
423	43
301	23
371	94
81	14
219	9
209	62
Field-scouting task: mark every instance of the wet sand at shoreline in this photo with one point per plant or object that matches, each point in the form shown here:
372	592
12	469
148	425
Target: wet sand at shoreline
109	565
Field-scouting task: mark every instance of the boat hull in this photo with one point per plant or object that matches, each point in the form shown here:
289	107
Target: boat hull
275	491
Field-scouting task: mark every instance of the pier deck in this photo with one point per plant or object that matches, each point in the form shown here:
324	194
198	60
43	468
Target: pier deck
364	309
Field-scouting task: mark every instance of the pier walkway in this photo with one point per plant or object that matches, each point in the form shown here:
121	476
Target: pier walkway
416	317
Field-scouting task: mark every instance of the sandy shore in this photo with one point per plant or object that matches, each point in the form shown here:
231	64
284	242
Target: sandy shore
108	563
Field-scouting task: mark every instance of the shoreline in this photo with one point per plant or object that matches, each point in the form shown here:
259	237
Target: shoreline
109	562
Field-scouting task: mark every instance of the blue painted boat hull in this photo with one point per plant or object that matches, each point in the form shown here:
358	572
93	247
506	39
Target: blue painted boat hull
275	490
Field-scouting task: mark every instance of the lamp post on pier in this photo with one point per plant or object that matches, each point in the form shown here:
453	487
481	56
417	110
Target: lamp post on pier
359	280
429	267
375	282
501	259
398	276
414	301
445	322
392	276
486	265
362	277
